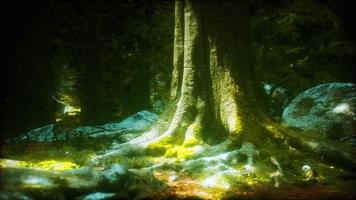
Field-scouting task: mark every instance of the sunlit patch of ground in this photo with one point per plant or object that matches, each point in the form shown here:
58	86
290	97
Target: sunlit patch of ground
183	187
50	165
187	187
211	177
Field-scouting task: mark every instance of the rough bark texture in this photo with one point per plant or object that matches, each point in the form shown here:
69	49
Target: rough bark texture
215	89
178	50
214	95
212	77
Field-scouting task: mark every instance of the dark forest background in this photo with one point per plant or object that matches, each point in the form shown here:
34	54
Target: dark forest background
113	58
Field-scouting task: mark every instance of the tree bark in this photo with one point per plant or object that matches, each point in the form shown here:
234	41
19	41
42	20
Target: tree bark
215	93
218	100
212	79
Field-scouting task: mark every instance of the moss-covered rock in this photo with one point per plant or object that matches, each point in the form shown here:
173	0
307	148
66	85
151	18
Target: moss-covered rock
328	109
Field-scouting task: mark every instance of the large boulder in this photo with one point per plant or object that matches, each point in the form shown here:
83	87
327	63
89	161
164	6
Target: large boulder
328	109
136	123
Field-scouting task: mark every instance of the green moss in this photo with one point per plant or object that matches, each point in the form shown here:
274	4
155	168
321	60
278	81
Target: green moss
45	165
168	144
55	165
193	135
182	153
160	146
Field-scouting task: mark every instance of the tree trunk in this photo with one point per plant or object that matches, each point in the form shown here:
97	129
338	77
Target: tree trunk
215	90
215	97
213	83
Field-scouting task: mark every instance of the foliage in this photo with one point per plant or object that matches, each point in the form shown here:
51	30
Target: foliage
300	44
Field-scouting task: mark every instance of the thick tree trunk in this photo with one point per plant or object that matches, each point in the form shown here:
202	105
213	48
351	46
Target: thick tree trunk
212	81
214	93
215	89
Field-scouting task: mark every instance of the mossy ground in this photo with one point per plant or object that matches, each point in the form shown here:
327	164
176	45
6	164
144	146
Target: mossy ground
183	175
325	184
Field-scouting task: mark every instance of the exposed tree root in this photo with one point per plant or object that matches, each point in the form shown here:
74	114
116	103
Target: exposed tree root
217	131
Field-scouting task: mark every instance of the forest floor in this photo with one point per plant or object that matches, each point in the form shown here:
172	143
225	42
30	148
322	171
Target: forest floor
63	171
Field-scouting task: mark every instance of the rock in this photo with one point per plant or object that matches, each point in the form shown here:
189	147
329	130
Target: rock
87	131
328	109
137	122
98	196
42	134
